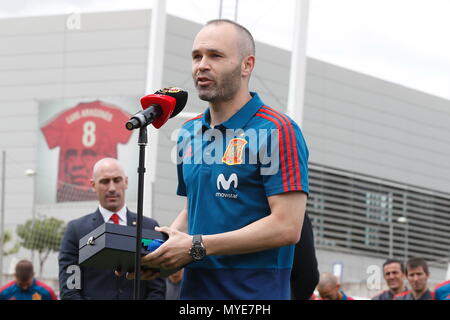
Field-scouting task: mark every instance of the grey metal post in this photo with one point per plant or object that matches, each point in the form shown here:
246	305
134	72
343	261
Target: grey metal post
153	82
220	8
296	97
2	214
32	173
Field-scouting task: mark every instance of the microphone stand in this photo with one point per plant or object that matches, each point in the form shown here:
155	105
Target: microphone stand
142	142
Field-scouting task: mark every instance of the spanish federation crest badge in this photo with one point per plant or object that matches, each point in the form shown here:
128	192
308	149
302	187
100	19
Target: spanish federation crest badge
36	296
235	152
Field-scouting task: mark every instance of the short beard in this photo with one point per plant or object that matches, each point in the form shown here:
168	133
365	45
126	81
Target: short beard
229	84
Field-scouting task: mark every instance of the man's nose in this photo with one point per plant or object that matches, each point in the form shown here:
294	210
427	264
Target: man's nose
203	64
112	186
415	278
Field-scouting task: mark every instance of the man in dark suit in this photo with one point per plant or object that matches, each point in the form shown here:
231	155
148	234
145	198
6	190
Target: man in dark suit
109	183
305	273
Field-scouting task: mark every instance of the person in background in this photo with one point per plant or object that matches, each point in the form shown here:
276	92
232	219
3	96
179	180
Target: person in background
173	285
305	272
25	286
394	275
417	274
109	183
330	289
442	291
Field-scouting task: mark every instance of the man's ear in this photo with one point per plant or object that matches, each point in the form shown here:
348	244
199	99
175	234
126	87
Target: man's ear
248	64
92	182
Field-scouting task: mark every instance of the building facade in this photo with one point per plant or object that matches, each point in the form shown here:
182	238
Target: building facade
379	155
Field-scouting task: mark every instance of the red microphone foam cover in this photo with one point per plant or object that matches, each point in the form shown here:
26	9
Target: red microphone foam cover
167	104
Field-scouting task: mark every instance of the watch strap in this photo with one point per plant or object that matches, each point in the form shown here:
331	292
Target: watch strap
197	240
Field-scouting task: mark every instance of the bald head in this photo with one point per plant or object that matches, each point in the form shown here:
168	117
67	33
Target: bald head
109	182
246	43
105	163
327	280
329	287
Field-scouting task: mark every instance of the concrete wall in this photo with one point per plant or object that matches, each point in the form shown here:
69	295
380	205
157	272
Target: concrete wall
363	124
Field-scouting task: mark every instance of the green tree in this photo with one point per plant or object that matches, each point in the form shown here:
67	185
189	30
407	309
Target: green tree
7	237
44	235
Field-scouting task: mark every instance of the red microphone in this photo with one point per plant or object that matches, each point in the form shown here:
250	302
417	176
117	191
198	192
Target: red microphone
158	108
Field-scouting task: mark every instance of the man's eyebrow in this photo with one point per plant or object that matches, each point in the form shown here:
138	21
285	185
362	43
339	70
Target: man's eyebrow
111	178
211	50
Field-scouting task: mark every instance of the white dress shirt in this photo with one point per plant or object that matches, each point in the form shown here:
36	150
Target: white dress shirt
122	213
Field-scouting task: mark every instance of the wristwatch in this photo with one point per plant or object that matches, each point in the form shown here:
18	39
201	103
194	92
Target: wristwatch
197	251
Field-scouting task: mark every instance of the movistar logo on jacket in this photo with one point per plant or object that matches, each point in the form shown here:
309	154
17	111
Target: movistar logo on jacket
224	184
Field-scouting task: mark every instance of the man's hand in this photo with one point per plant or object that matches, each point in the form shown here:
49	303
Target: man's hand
173	253
176	277
145	275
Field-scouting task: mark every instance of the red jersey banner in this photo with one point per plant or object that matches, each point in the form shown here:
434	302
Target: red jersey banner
84	134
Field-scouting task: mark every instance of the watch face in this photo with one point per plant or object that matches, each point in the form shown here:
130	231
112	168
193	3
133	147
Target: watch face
198	253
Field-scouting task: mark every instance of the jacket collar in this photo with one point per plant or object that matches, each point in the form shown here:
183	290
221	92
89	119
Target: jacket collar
97	219
240	119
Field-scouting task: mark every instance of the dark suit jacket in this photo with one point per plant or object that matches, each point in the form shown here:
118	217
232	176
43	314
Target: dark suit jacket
305	272
97	284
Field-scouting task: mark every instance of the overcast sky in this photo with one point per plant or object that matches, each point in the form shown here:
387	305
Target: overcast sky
402	41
